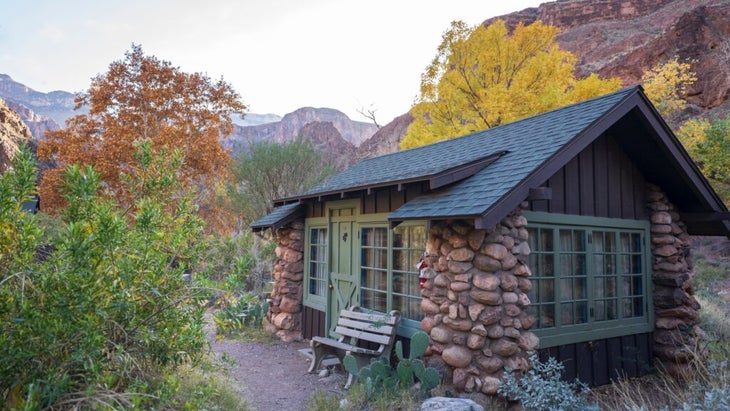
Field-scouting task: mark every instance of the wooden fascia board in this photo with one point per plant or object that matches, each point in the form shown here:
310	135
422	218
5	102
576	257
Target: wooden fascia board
690	173
505	205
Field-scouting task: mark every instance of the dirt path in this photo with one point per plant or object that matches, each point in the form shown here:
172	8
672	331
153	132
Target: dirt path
274	376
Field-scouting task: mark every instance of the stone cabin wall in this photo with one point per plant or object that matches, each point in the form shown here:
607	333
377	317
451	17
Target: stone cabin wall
676	311
284	317
475	301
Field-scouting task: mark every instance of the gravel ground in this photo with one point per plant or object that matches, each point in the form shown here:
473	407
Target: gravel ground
273	376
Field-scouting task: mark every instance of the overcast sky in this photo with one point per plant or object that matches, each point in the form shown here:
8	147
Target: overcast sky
280	55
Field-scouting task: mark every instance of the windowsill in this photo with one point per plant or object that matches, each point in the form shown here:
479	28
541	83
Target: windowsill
585	332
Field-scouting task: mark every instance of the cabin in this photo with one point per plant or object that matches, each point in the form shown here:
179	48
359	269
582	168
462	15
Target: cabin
565	233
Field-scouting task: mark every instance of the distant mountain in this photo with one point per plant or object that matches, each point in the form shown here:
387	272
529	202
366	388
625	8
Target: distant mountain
386	139
330	130
253	119
56	105
291	125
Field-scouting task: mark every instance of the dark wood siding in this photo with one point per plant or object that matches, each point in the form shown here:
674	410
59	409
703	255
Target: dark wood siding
600	182
388	199
315	209
313	322
598	362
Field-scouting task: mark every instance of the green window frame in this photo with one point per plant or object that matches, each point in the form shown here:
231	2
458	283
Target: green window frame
591	277
316	263
388	273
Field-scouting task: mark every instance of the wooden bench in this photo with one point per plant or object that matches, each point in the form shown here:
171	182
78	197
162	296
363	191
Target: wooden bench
355	326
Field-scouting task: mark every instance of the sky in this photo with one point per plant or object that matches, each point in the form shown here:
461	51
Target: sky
279	55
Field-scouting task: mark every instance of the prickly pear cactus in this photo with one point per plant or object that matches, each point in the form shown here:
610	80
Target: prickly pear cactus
379	376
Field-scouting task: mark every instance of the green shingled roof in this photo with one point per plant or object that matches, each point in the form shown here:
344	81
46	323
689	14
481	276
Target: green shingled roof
278	217
527	143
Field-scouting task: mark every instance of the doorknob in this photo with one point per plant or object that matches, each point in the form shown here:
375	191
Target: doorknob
331	286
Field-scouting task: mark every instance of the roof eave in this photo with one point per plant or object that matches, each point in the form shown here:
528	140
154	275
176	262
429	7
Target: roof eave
434	180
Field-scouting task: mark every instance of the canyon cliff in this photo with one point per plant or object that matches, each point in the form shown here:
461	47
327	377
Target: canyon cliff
13	134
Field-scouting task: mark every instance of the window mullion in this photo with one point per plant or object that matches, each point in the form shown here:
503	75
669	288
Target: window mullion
558	278
590	278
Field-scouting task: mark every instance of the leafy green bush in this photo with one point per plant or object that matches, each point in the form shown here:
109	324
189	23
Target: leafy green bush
97	322
541	388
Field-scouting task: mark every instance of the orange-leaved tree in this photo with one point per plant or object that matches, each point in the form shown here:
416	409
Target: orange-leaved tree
486	76
142	98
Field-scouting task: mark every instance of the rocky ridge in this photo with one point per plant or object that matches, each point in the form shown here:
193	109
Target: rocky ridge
56	105
13	133
290	126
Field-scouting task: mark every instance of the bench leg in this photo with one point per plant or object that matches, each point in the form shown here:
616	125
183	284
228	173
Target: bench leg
361	362
350	380
318	354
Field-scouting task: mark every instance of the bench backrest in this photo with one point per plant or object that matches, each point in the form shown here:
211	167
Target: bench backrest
372	327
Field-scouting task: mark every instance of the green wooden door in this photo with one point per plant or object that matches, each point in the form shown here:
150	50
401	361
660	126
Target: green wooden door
343	288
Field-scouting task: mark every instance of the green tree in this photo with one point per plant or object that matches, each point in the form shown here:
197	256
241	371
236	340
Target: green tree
97	322
270	171
712	154
485	76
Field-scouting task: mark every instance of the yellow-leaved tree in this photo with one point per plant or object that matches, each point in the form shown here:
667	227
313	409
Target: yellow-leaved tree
486	76
666	86
706	140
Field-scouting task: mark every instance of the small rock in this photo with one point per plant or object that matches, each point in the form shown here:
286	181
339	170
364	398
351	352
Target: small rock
450	404
324	373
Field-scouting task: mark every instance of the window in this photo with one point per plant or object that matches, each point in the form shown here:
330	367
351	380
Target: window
409	244
316	260
590	277
388	273
374	268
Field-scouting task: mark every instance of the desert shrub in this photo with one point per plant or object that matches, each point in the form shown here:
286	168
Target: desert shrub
238	313
102	320
541	388
204	388
239	263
